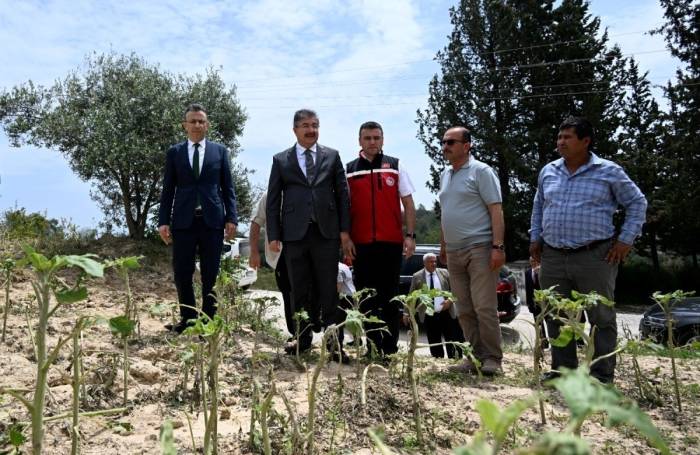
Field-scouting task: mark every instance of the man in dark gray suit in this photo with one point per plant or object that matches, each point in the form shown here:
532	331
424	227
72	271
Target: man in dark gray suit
308	209
197	208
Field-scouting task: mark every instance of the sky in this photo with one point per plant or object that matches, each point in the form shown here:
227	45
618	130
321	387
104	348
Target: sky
351	61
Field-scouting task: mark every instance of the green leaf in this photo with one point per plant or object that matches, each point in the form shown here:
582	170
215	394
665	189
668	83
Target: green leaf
85	262
40	262
71	295
489	413
167	440
566	334
499	422
585	395
128	262
16	436
121	325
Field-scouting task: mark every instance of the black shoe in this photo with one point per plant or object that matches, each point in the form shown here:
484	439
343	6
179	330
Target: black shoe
340	358
291	347
549	375
176	328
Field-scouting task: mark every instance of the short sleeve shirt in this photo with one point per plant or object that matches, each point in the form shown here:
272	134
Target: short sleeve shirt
260	218
465	195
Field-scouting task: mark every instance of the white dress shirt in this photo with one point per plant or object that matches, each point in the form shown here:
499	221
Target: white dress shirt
190	152
436	285
301	156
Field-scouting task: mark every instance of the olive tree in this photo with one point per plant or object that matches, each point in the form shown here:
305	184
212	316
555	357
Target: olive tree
113	120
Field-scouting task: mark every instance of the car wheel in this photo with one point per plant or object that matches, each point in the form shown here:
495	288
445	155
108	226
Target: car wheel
689	335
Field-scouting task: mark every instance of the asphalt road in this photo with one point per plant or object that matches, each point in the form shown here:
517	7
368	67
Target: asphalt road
519	331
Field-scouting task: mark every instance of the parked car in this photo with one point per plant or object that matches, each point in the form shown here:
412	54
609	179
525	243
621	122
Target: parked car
239	247
506	289
686	326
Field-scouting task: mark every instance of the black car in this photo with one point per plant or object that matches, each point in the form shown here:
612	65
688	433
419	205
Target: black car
686	326
506	289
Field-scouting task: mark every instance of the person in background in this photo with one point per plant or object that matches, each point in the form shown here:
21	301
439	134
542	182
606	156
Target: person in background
274	259
532	282
443	323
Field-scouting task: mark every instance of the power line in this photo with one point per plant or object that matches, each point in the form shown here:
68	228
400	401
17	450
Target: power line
411	62
407	77
409	95
531	96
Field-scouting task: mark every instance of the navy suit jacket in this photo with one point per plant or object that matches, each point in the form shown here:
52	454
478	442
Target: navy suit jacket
290	196
214	186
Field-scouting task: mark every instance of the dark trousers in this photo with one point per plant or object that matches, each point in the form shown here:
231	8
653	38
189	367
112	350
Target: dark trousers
312	265
378	265
583	271
198	238
441	325
283	285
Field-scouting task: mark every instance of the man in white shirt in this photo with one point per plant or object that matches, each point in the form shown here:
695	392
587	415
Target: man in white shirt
274	259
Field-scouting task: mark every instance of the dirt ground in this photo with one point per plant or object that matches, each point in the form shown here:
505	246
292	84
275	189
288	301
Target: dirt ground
157	393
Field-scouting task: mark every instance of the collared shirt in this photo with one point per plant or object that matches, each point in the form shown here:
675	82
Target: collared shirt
436	285
406	187
465	196
260	218
190	152
301	156
573	210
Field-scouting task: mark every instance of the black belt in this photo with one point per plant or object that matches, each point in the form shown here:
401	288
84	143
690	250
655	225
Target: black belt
586	247
198	211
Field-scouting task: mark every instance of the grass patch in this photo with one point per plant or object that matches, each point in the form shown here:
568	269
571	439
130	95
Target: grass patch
266	280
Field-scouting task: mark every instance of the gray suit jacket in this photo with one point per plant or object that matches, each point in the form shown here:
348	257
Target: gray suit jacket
290	196
418	281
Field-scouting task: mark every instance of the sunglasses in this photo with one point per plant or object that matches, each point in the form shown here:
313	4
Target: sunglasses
451	142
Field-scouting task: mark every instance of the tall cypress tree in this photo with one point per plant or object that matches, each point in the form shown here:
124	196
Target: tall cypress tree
640	153
511	72
682	196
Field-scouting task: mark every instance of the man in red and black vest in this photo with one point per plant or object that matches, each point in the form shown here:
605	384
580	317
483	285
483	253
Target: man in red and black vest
378	187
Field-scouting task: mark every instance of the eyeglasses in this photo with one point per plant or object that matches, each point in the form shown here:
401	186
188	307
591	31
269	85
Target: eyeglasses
451	142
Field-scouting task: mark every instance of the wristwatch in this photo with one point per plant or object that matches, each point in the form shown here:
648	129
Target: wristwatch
411	234
499	246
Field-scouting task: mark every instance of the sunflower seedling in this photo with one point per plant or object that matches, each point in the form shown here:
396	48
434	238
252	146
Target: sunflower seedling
45	283
123	327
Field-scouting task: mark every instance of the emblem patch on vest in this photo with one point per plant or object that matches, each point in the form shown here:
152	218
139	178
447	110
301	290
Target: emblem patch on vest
390	181
386	165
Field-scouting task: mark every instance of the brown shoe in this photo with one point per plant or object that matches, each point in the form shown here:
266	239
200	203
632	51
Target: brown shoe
465	367
491	368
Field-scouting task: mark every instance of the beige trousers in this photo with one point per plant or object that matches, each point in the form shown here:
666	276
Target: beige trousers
474	284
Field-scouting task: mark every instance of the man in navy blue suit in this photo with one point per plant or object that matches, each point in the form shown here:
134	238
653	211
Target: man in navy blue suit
197	208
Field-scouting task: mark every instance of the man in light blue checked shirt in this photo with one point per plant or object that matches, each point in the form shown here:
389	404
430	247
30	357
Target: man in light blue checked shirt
573	236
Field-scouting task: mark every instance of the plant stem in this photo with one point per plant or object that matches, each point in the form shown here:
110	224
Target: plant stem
312	390
75	435
264	408
8	275
43	301
410	372
126	371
